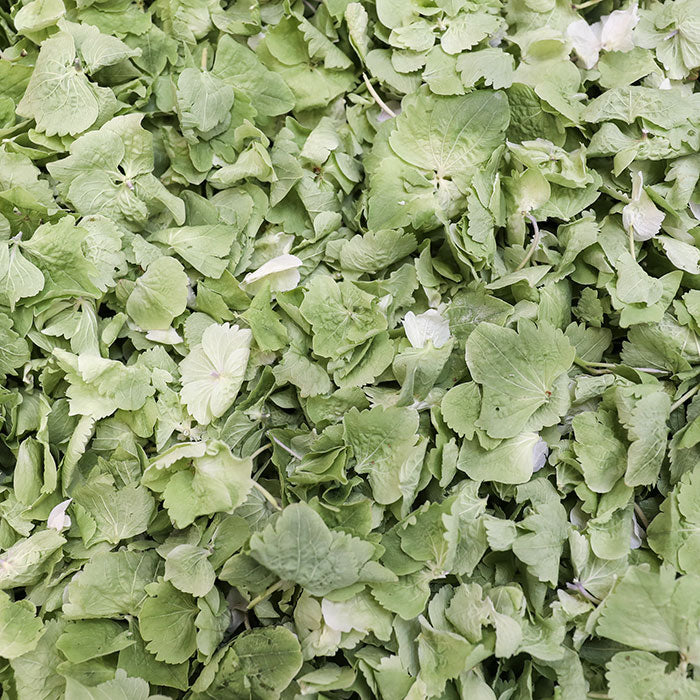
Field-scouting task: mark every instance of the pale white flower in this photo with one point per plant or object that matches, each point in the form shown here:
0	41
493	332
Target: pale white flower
665	84
641	216
612	33
429	325
281	272
58	518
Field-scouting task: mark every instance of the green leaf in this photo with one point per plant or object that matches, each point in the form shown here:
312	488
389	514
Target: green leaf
634	672
299	547
166	622
261	663
59	96
653	611
90	639
523	376
111	584
118	514
450	136
160	294
512	461
187	567
341	316
381	441
20	629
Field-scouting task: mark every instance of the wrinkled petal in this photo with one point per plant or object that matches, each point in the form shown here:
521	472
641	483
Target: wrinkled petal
167	337
429	325
616	33
281	272
540	452
585	40
58	518
641	215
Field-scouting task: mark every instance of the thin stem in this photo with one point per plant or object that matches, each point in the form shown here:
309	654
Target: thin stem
592	370
376	98
265	594
289	450
268	496
533	245
603	696
204	58
640	514
685	397
580	589
260	450
603	367
633	253
583	5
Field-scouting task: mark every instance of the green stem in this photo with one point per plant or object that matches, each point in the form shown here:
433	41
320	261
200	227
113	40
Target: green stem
288	450
583	5
375	96
684	398
265	594
533	245
640	514
268	496
260	450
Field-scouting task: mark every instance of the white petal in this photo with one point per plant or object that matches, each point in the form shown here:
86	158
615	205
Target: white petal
641	215
540	452
637	534
167	337
429	325
58	519
616	34
282	272
665	84
585	40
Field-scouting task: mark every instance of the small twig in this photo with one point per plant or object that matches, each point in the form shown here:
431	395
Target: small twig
268	496
246	621
640	514
533	245
684	398
289	450
265	594
376	97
